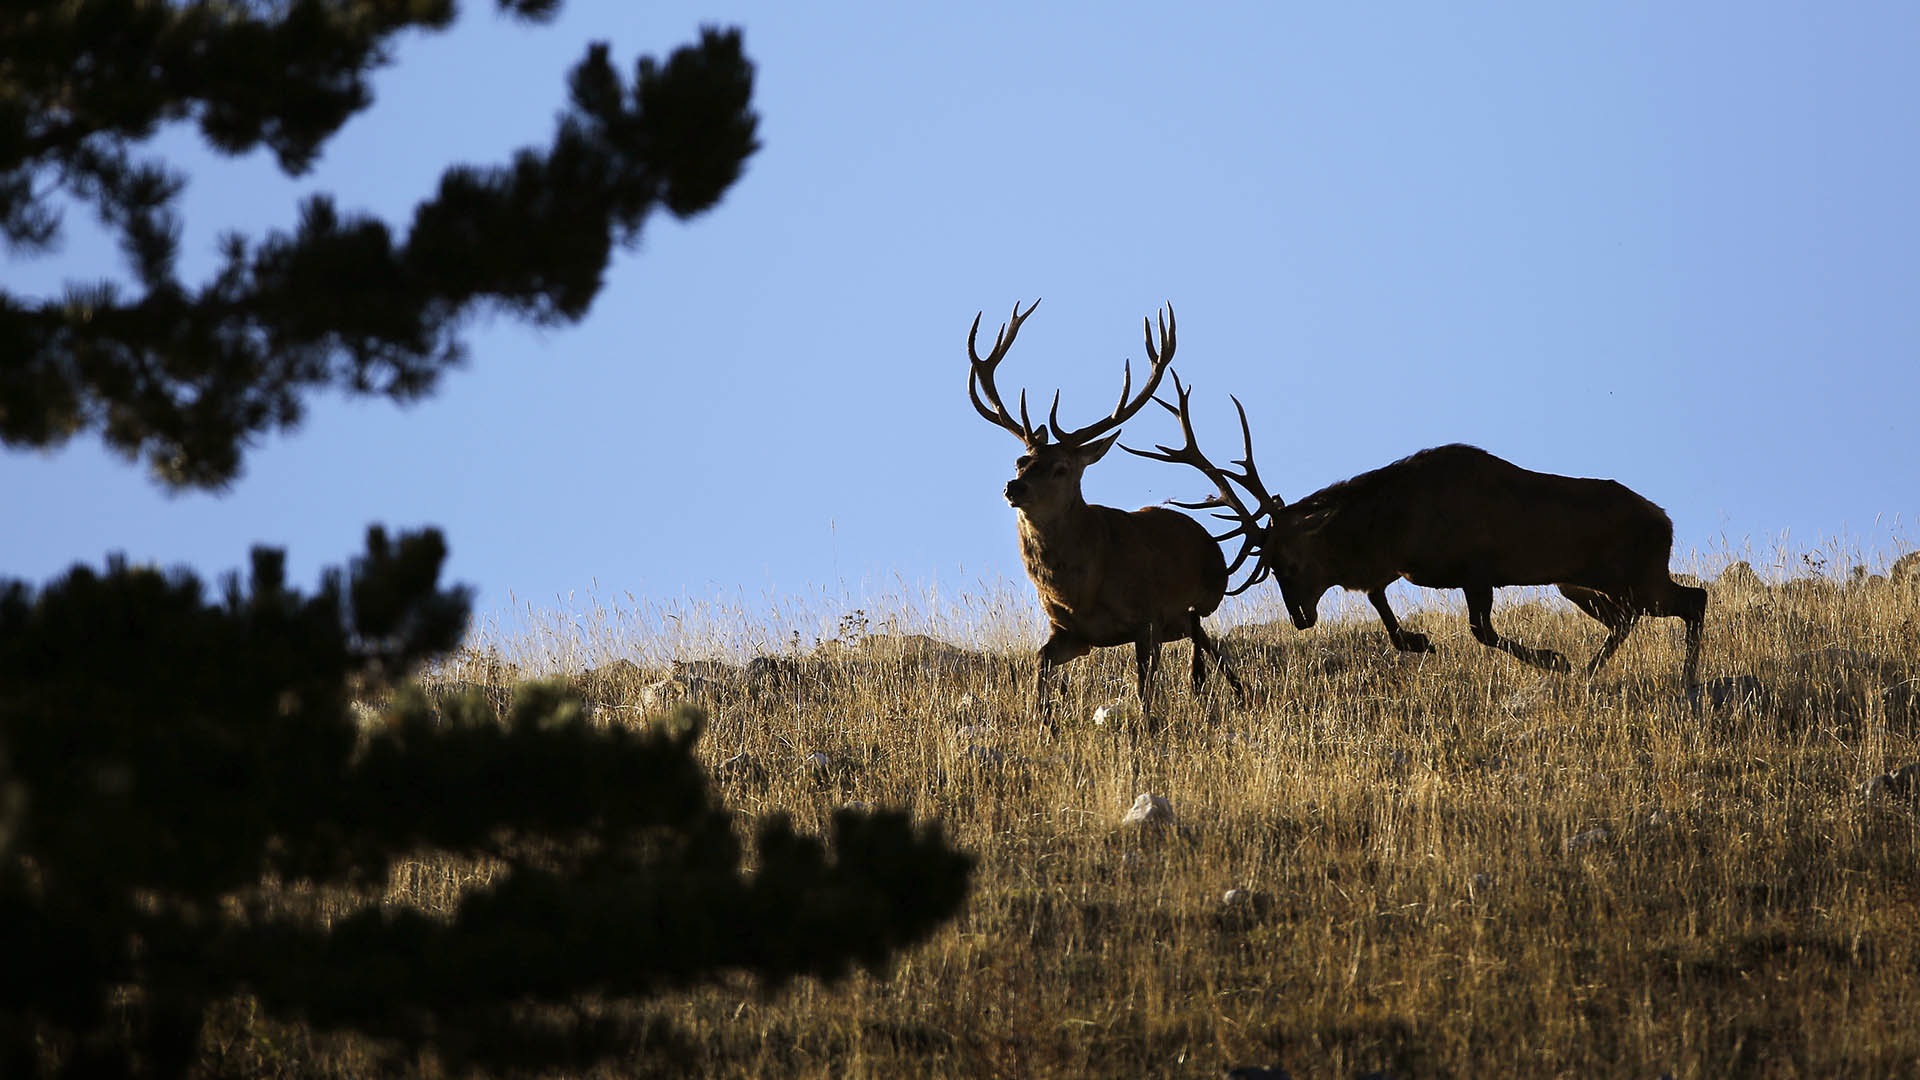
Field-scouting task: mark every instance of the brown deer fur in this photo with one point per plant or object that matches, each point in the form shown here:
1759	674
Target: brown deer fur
1105	577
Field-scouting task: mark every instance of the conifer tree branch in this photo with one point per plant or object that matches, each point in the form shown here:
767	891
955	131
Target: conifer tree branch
189	377
157	802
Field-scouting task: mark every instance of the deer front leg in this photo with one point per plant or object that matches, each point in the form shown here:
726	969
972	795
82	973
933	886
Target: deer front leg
1146	661
1617	616
1616	634
1480	618
1404	640
1060	648
1690	604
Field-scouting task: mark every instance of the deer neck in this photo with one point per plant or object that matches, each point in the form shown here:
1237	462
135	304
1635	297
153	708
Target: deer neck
1062	549
1056	524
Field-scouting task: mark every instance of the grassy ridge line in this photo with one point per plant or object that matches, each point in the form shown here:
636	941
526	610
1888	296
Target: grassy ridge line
1446	865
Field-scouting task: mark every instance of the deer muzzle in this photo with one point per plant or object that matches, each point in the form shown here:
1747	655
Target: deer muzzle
1304	616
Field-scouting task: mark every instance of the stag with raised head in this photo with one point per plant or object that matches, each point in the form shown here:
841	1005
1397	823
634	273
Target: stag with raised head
1454	517
1105	576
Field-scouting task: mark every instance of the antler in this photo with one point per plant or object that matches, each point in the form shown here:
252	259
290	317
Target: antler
980	379
1128	404
1224	479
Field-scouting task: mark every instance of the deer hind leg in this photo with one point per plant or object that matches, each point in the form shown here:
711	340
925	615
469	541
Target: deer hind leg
1204	647
1480	618
1617	617
1404	640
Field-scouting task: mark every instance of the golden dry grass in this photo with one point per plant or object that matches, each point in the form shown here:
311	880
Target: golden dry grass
1448	865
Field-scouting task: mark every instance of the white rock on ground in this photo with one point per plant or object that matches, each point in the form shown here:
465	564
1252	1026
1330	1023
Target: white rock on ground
1149	809
1116	713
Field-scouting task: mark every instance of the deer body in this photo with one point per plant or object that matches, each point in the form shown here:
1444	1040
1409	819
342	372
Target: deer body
1074	561
1453	515
1457	517
1105	577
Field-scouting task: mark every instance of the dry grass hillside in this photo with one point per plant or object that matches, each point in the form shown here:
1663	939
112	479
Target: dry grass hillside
1383	864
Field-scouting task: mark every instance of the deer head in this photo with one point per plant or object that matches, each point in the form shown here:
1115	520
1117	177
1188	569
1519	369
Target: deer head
1277	552
1046	481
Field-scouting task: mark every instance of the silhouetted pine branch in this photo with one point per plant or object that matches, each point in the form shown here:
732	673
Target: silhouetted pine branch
188	374
171	752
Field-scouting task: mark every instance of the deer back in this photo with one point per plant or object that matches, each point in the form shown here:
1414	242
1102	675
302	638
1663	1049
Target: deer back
1456	514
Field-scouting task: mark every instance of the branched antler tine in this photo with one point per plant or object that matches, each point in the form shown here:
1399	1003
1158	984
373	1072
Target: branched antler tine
1245	585
973	394
1166	334
1247	520
997	415
1182	392
1167	453
1261	572
1249	549
1240	560
1130	403
1250	477
980	383
1189	454
1163	360
1158	453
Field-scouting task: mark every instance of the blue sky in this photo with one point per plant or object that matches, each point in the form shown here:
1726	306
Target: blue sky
1676	245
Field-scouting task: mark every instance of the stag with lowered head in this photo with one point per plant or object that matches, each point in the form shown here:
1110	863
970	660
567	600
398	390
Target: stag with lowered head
1105	576
1453	517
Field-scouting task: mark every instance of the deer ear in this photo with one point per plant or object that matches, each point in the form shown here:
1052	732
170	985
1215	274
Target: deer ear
1094	451
1040	435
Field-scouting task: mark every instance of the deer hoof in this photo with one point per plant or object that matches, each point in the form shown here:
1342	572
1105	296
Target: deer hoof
1412	642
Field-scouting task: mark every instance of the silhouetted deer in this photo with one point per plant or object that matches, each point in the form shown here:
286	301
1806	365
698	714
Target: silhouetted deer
1455	517
1105	576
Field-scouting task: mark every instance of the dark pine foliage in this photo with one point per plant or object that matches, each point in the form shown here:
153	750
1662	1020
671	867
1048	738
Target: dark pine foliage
174	764
186	374
167	753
